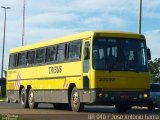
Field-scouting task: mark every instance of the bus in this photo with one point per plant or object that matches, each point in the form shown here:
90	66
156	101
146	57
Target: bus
93	67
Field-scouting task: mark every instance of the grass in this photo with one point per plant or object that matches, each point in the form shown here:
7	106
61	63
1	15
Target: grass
2	98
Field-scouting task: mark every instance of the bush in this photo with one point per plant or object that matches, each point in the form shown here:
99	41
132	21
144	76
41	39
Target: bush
3	87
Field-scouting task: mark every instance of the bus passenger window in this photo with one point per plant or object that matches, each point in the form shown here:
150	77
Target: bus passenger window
21	59
40	55
30	57
12	61
61	53
74	50
51	54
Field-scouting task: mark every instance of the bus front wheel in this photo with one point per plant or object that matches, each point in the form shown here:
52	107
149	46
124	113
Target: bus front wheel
31	101
23	98
122	108
151	106
76	105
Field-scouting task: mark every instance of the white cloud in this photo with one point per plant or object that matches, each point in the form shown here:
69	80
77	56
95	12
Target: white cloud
93	22
104	20
100	5
10	2
47	33
152	15
108	6
116	21
153	41
151	4
50	18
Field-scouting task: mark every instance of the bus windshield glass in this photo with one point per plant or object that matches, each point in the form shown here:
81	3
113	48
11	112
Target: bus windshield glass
119	54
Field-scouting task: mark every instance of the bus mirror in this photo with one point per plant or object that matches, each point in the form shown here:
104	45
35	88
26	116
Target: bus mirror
86	54
148	54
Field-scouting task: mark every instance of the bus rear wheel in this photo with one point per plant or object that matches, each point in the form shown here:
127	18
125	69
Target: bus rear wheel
31	100
76	105
23	98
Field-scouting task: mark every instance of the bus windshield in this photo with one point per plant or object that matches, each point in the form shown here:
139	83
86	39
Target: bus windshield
119	54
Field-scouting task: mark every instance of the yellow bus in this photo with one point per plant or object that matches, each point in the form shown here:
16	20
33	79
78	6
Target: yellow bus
94	67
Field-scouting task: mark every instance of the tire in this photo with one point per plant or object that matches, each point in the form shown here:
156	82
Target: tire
151	106
129	107
24	98
76	106
31	100
122	108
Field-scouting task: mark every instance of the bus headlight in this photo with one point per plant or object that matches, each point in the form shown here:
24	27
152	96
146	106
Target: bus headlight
100	94
145	95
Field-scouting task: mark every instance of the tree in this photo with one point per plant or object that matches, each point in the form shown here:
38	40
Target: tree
154	67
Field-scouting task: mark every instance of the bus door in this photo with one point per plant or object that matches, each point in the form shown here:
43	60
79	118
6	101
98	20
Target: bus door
86	70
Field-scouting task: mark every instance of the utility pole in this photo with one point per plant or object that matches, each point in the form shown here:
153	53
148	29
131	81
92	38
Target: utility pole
23	28
5	9
140	17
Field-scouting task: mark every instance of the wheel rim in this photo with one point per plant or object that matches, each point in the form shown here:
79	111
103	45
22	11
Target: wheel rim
75	98
31	98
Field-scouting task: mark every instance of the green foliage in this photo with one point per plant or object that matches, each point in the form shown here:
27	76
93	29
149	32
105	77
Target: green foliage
154	67
3	91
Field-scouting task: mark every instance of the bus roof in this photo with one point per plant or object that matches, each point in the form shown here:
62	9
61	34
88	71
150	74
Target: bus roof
77	36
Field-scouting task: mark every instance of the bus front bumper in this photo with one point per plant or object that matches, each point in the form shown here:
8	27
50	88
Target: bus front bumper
112	97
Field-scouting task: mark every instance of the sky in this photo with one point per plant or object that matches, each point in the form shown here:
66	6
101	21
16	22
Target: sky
48	19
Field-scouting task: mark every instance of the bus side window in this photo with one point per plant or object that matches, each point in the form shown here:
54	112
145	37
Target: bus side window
74	50
21	61
51	53
30	57
12	61
40	55
61	50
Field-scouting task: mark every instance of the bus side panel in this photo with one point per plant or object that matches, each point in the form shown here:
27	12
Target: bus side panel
50	82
